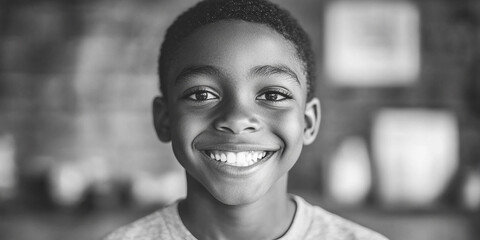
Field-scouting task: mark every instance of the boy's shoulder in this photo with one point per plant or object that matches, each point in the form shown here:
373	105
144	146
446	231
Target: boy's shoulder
321	224
162	224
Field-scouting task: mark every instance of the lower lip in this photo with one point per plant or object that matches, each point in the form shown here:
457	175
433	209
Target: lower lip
237	170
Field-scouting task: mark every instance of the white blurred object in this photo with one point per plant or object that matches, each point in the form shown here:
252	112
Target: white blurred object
8	167
416	154
349	175
98	172
471	191
372	43
68	184
165	188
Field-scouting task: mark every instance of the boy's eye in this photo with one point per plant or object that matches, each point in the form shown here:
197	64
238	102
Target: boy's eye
201	95
274	96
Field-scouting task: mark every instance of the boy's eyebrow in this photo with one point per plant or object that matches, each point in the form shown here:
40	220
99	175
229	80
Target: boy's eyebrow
197	70
266	70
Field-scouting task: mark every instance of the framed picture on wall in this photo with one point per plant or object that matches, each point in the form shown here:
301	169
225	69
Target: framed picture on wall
372	43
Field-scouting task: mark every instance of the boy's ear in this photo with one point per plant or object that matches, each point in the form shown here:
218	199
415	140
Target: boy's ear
161	119
312	121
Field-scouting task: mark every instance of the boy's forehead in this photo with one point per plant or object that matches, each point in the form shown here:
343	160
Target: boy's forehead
236	47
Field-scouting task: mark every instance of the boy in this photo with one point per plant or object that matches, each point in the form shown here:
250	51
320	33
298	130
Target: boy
237	81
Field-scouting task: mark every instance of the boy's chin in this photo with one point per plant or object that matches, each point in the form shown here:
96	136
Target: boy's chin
236	197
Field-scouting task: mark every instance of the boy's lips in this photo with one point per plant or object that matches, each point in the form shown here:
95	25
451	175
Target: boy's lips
235	147
238	155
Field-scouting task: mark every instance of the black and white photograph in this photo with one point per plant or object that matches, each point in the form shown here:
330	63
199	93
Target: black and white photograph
239	119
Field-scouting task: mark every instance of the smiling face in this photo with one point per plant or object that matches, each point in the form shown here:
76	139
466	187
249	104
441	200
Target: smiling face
236	111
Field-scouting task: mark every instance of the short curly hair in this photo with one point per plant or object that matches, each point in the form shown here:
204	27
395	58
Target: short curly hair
255	11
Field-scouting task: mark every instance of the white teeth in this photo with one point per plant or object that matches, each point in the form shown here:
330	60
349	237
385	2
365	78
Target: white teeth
241	157
231	158
237	158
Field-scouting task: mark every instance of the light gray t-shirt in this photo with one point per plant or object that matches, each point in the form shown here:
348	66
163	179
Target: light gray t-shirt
310	222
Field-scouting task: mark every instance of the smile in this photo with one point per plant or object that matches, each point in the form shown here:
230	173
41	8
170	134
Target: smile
239	159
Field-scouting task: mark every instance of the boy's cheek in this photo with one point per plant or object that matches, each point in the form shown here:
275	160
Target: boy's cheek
291	120
186	127
290	128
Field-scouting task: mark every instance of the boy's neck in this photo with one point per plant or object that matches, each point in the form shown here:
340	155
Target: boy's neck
267	218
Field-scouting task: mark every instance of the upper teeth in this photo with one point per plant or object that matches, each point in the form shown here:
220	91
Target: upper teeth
237	158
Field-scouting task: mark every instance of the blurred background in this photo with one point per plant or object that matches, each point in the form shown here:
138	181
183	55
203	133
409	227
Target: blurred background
399	145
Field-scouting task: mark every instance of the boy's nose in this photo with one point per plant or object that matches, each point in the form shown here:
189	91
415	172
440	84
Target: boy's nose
236	120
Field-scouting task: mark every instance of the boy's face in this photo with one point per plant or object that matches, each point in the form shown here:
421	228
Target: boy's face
236	111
